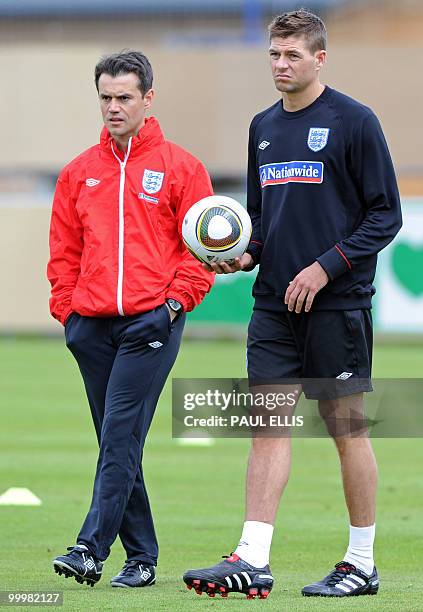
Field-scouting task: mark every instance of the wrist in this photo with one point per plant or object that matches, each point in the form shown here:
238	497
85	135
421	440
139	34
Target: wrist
175	308
247	262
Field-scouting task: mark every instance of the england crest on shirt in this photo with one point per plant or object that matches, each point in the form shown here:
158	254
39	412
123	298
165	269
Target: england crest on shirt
317	138
152	181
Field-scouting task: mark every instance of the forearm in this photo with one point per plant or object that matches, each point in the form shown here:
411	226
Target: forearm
376	231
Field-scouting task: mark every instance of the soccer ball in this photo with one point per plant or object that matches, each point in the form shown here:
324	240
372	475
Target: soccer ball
216	229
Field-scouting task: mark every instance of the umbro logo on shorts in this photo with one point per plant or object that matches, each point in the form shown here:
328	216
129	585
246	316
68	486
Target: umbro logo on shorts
344	375
91	182
155	344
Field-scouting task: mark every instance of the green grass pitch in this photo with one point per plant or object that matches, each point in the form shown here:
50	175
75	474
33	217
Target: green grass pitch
47	444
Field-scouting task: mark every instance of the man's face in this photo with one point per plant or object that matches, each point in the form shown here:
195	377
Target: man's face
293	66
122	104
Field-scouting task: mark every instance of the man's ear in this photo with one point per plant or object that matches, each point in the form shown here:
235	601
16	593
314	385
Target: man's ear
148	99
320	59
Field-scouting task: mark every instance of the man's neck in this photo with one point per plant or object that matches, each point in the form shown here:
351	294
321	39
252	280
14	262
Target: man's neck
296	101
122	144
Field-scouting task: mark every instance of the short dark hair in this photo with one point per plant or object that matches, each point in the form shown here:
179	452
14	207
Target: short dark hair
125	62
300	23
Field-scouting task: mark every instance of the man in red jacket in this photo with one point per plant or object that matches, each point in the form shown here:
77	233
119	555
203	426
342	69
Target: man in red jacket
122	282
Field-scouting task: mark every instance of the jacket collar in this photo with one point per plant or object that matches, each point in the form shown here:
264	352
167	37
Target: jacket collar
149	137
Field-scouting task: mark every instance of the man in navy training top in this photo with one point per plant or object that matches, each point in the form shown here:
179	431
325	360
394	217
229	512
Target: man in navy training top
323	200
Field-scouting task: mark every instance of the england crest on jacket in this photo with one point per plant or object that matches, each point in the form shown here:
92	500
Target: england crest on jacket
317	138
152	181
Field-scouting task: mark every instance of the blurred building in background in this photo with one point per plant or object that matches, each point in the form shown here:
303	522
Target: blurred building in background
211	76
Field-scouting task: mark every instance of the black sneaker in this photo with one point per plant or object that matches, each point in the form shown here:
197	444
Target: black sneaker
80	564
231	576
135	574
344	581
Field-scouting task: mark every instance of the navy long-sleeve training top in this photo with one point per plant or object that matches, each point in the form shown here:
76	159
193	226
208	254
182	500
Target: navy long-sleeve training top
321	186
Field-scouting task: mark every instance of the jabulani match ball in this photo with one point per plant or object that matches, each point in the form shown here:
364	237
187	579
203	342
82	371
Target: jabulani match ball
216	229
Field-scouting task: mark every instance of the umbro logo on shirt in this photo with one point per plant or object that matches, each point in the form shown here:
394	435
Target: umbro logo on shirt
263	145
91	182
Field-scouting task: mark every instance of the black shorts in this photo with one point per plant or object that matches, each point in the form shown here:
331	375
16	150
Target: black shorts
321	344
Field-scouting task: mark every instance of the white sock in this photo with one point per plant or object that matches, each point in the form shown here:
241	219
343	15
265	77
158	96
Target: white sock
254	545
360	548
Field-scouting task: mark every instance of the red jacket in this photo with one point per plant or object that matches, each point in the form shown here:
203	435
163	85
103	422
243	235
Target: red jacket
115	234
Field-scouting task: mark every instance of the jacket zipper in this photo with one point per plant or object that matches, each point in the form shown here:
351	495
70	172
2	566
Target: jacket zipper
122	164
